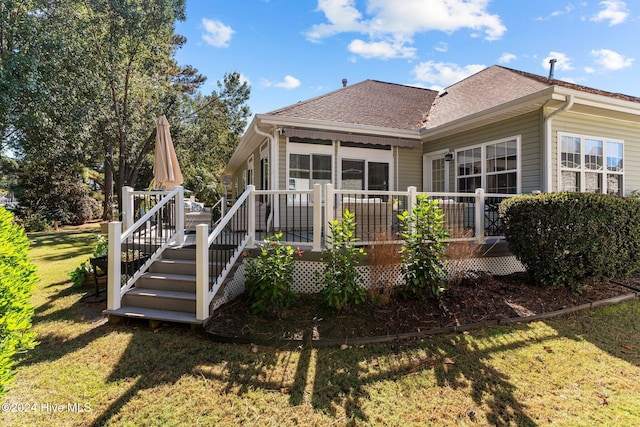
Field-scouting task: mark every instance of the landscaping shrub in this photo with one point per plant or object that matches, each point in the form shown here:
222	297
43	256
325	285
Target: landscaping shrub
344	285
268	277
571	239
56	198
17	280
423	250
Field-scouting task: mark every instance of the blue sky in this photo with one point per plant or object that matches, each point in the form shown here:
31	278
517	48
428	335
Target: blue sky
293	50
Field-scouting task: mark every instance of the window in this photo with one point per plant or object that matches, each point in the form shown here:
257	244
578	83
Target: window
492	166
364	175
249	172
363	167
438	175
590	164
305	170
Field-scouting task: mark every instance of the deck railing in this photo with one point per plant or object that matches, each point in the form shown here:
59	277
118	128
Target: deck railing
160	221
217	253
303	216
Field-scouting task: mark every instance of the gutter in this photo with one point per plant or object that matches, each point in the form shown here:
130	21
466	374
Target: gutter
548	146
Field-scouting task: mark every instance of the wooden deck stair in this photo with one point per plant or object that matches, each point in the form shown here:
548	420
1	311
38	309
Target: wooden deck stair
167	292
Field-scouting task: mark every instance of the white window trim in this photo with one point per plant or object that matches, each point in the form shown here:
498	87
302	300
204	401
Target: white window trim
368	155
582	170
250	170
483	157
426	168
309	150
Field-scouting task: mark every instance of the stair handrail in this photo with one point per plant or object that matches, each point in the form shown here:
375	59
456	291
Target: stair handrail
205	293
117	237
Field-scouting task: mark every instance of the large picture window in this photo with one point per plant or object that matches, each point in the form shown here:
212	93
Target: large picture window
590	164
493	166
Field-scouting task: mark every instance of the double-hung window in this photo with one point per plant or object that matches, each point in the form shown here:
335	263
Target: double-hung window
493	166
591	164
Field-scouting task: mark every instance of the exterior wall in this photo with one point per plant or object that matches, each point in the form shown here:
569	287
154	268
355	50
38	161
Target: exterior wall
527	126
408	168
593	125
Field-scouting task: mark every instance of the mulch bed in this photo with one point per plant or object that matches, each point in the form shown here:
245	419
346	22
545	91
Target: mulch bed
479	299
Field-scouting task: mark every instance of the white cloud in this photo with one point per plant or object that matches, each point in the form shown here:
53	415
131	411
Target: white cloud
610	60
505	58
288	83
614	11
567	9
442	47
381	50
216	33
563	61
444	73
395	22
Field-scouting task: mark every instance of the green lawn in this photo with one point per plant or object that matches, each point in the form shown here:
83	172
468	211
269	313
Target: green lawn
579	370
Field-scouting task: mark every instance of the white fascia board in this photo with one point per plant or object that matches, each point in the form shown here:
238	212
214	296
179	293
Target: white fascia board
602	101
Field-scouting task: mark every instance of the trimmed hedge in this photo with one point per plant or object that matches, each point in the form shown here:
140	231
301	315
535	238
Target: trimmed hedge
17	280
572	239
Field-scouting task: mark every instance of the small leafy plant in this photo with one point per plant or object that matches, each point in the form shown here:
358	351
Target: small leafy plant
423	251
79	275
343	283
269	276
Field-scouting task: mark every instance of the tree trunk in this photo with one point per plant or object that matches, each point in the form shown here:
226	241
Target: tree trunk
107	212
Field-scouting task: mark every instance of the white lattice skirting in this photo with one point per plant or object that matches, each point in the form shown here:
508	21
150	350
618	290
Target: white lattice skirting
307	280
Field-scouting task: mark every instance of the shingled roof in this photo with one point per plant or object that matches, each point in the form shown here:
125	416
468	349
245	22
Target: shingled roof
371	103
492	87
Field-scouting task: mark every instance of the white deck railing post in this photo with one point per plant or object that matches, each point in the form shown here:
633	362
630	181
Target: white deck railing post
202	271
251	208
479	214
114	256
329	197
317	218
127	207
179	215
412	200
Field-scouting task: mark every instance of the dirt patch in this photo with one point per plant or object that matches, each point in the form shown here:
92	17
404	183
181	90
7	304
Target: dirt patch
480	299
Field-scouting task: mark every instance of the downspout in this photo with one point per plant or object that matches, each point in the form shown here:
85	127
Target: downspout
548	119
272	144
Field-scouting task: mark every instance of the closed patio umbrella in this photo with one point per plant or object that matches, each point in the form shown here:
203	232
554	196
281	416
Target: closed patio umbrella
166	170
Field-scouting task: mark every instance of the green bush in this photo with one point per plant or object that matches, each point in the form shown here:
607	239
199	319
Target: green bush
344	285
17	280
572	239
423	250
269	277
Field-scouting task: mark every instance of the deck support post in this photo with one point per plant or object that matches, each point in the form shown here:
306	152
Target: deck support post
127	207
317	218
179	215
479	214
412	200
251	220
114	256
329	199
202	271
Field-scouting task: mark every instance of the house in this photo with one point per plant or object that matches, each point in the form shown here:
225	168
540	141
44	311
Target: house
374	145
502	130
